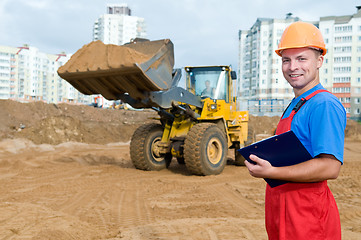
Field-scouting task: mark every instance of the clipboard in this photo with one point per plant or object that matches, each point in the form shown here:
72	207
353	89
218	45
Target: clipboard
280	150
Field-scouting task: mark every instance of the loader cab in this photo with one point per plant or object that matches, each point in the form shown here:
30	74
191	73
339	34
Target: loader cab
209	82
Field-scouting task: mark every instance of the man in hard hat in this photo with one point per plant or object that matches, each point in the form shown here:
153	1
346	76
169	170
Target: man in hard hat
304	208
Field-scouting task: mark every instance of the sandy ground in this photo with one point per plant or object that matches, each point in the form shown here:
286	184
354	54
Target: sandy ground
90	191
66	173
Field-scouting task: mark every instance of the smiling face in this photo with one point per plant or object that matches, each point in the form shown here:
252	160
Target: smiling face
300	67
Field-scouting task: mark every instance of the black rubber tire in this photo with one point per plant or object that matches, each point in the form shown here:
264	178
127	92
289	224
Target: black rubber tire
205	149
238	158
141	148
180	160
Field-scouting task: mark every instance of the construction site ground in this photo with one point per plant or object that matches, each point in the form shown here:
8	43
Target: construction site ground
66	173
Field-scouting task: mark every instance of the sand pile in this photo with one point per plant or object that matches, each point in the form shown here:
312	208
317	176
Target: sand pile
353	130
99	56
111	70
54	124
261	127
76	190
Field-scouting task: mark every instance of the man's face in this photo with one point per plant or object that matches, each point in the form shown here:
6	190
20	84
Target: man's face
300	67
208	84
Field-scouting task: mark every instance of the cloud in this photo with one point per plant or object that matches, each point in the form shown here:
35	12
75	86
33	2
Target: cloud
36	4
203	31
4	15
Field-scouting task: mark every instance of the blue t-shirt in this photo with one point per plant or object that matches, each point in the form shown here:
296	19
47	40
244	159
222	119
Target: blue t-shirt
320	123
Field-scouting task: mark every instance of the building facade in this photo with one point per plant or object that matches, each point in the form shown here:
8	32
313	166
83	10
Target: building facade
262	85
341	72
117	26
26	74
262	88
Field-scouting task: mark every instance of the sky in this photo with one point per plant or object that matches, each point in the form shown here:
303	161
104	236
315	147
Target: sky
204	32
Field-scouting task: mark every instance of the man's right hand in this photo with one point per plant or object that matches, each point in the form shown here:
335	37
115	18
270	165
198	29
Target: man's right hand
262	168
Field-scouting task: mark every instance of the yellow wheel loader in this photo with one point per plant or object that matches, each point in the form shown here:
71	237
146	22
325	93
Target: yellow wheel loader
197	125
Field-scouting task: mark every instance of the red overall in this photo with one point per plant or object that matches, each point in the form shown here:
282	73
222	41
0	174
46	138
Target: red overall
299	211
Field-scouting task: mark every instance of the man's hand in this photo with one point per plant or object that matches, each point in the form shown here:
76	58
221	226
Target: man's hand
324	167
263	169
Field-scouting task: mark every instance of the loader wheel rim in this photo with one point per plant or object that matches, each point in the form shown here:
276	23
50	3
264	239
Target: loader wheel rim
155	150
214	151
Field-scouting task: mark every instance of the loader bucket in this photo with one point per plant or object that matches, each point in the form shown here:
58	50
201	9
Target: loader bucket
136	68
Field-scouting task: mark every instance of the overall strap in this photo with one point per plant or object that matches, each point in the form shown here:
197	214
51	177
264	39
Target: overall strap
304	100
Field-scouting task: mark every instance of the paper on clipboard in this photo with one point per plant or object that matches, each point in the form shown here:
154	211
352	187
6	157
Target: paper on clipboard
280	150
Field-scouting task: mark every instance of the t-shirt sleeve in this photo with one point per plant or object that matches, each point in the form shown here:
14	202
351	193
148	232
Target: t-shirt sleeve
327	128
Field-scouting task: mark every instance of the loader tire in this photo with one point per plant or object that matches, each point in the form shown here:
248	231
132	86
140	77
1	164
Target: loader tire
143	148
205	149
238	159
180	160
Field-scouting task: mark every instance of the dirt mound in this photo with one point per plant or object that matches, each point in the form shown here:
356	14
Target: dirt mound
99	56
353	130
54	124
261	127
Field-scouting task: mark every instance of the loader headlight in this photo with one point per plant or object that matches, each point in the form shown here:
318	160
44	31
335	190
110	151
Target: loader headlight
213	106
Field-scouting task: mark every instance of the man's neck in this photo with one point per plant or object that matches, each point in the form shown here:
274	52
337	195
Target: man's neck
299	92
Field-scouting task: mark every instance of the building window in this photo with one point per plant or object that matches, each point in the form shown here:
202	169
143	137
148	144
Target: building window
343	28
344	100
341	90
343	39
342	79
342	69
342	59
345	49
357	100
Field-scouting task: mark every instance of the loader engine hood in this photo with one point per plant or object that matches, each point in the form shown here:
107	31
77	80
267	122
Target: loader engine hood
136	68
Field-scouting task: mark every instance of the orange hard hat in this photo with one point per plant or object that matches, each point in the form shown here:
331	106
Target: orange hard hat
299	35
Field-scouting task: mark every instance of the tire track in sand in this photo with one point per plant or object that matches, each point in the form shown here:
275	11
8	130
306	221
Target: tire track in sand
132	208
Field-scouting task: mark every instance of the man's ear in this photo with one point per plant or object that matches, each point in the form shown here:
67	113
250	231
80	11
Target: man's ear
319	61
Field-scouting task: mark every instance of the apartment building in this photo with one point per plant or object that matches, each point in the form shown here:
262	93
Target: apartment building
341	72
262	85
117	26
262	88
26	74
